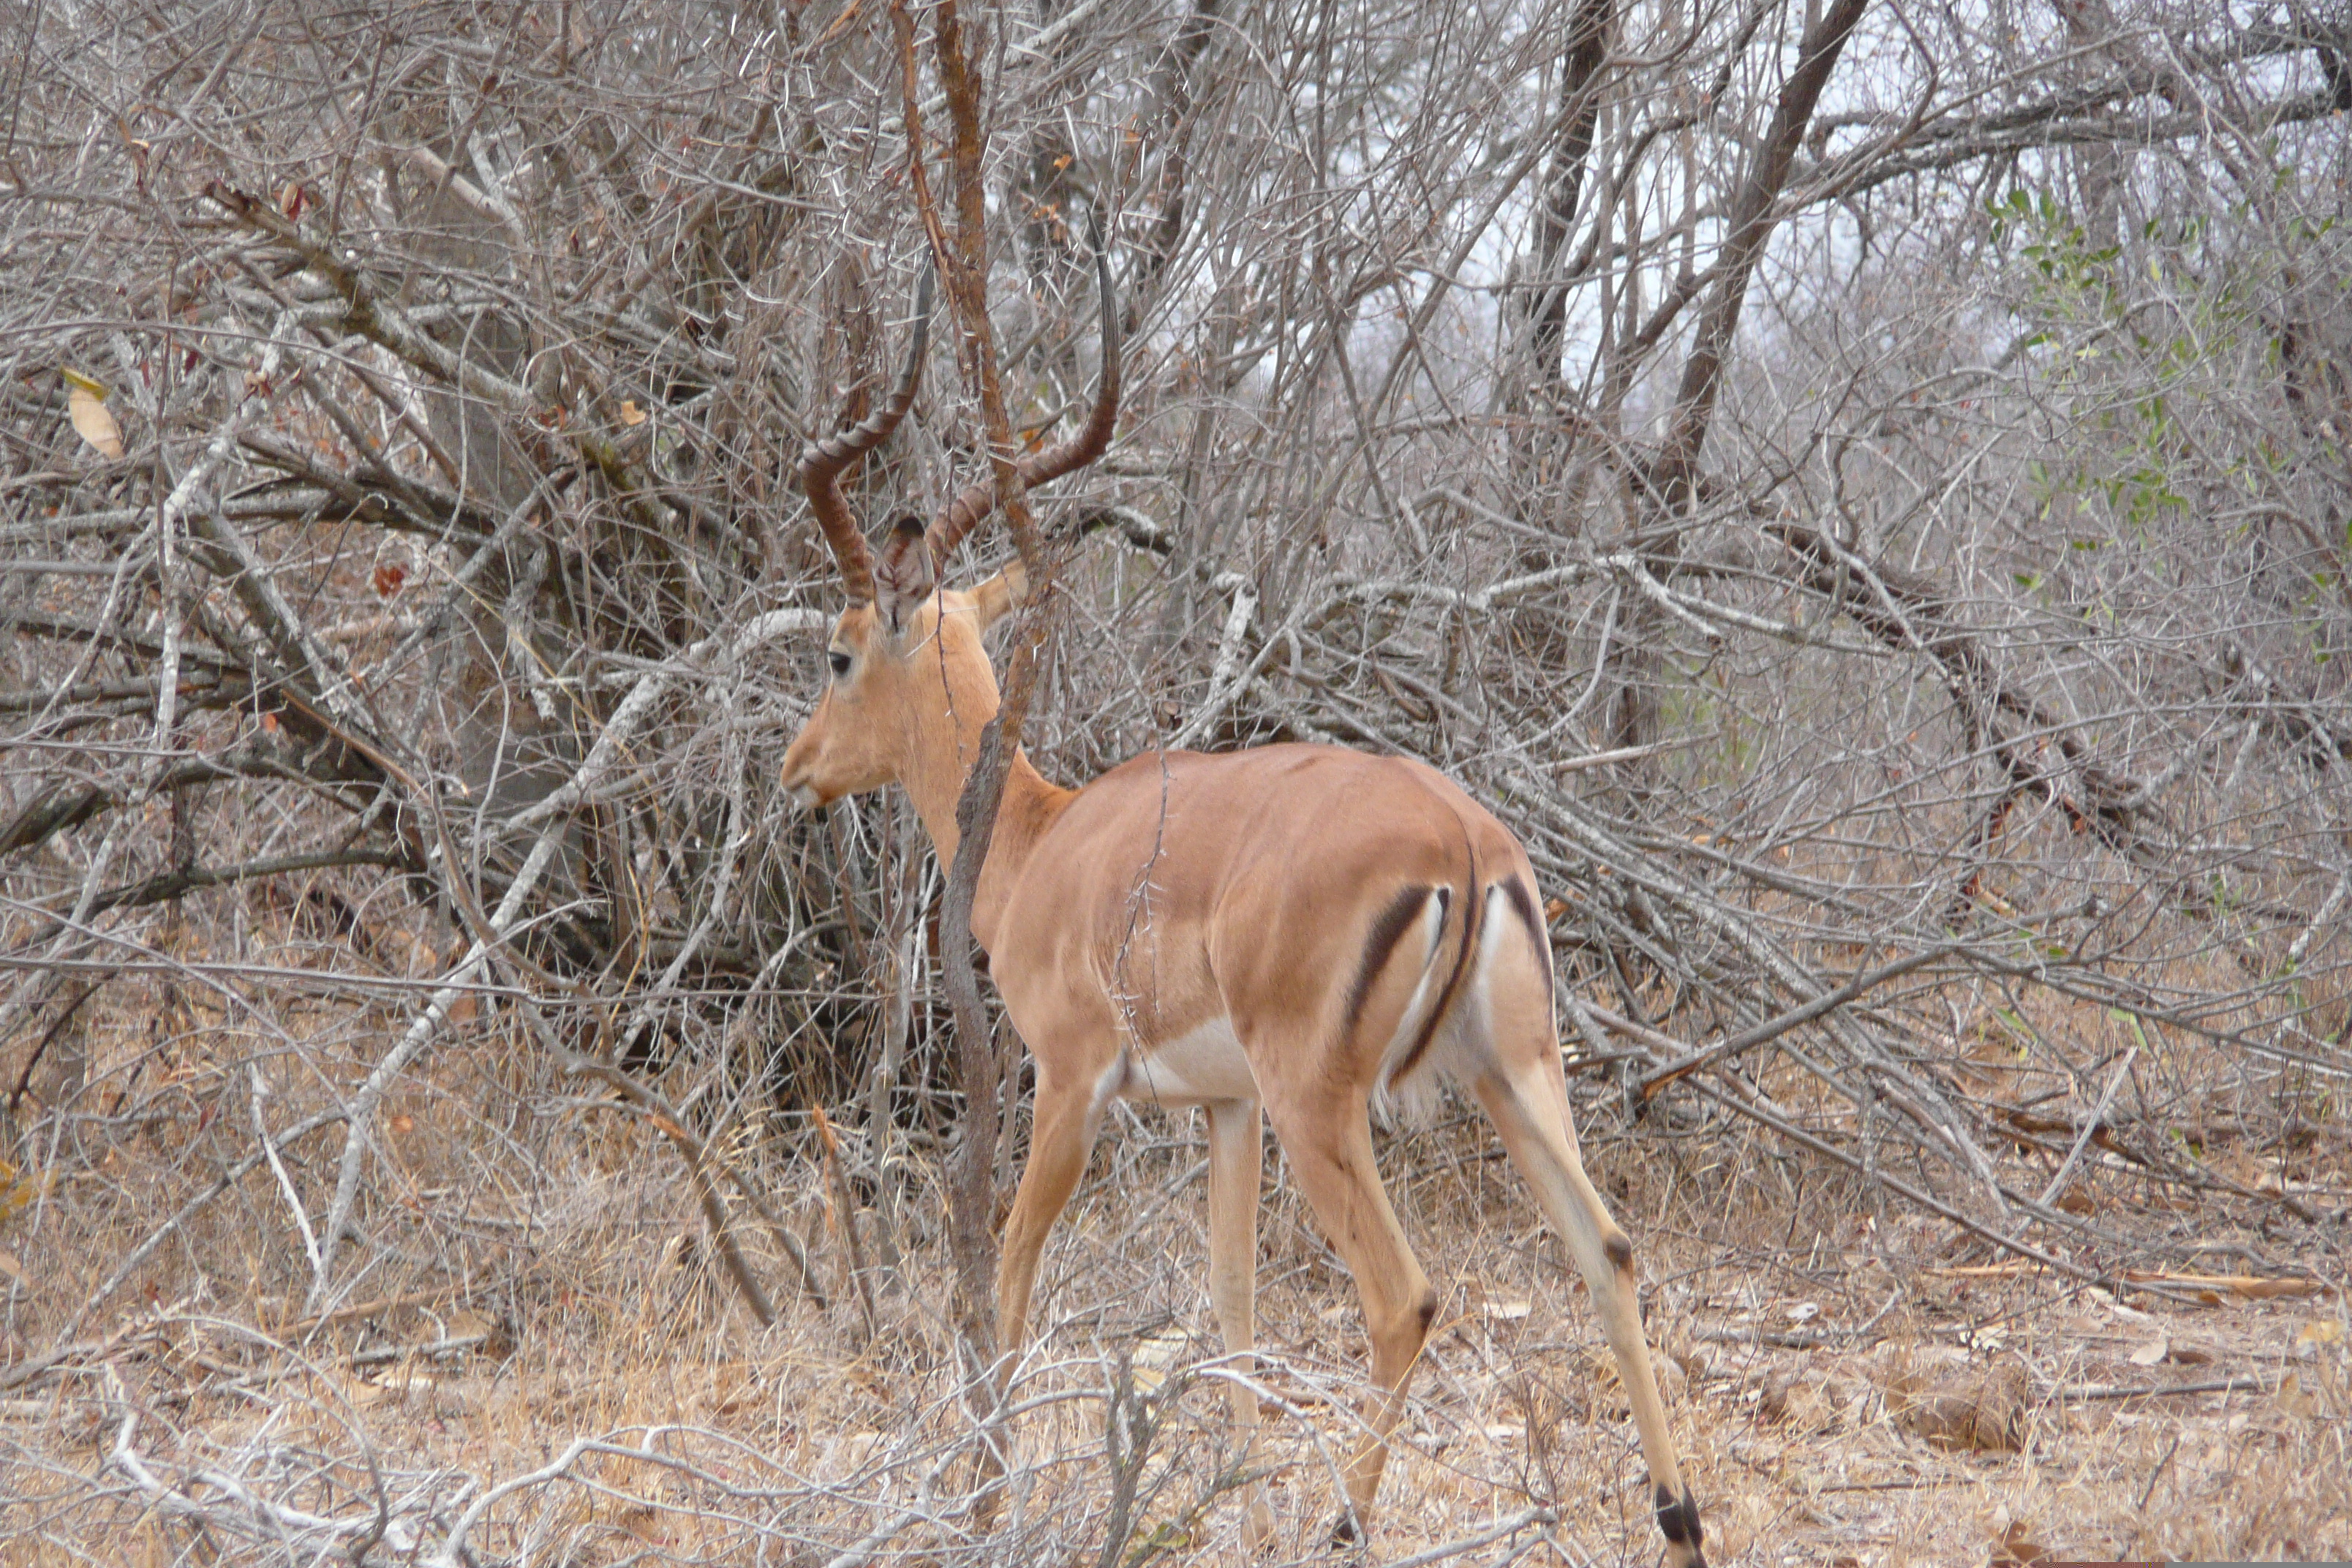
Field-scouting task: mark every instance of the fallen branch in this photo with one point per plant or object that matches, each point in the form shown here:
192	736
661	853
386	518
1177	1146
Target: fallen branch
2094	1391
2249	1287
1773	1028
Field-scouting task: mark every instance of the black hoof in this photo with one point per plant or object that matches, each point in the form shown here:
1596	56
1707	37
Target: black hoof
1346	1533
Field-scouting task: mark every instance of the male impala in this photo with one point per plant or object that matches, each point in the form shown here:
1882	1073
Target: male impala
1296	928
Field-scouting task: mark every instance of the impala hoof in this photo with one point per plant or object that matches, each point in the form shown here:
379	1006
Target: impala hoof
1347	1531
1678	1522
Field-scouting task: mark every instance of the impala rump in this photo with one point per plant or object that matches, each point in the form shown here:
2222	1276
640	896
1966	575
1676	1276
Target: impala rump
1446	1031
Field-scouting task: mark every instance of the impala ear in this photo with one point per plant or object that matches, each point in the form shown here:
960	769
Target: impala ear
1000	596
903	576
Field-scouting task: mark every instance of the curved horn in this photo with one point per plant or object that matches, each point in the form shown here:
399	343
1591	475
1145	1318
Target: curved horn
969	508
821	462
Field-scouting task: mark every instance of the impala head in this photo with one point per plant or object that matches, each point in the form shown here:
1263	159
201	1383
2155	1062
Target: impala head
904	666
908	671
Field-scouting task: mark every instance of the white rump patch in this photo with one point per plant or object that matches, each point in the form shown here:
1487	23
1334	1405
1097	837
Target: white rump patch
1411	1101
1461	1034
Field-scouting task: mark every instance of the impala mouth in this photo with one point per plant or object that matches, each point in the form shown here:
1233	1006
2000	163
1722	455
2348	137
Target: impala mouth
805	796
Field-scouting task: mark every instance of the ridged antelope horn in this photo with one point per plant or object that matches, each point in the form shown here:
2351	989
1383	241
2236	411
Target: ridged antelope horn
821	462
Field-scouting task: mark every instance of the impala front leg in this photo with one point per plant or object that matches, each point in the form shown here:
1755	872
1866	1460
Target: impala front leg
1060	1134
1235	1157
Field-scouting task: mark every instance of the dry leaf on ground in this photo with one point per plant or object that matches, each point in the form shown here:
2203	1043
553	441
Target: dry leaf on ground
86	401
2018	1549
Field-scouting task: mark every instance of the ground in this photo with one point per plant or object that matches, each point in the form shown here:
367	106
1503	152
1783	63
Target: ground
1851	1383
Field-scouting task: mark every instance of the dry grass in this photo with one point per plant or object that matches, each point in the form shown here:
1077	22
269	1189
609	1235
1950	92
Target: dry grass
549	1284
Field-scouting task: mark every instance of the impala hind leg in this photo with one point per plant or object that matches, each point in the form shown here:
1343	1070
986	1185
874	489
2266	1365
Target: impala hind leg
1236	1151
1331	1155
1531	1110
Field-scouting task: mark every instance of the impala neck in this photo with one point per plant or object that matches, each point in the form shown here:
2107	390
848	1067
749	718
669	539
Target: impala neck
941	760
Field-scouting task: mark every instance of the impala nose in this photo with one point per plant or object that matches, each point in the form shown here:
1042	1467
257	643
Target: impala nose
794	776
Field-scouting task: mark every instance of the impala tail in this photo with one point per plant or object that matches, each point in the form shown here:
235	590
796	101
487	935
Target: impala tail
1477	957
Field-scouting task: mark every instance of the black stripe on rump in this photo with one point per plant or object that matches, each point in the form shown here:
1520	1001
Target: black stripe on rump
1524	901
1470	909
1387	931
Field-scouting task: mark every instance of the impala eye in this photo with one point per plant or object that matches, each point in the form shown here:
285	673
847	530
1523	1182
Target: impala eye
840	662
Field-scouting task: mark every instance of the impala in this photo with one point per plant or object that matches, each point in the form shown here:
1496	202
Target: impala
1292	930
